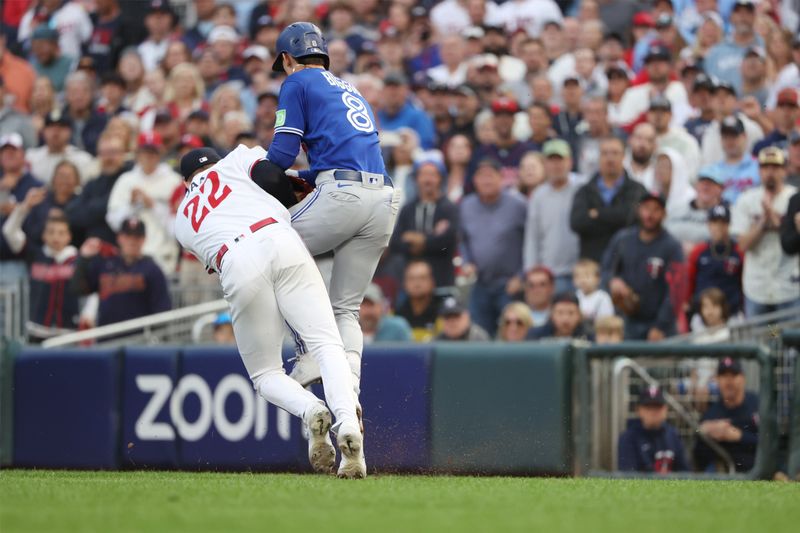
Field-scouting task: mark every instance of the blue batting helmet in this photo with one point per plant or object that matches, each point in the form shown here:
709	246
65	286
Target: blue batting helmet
301	39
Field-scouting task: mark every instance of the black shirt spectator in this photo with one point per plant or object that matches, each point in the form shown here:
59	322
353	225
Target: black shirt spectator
638	266
87	213
87	122
129	284
732	421
564	322
428	227
605	204
421	305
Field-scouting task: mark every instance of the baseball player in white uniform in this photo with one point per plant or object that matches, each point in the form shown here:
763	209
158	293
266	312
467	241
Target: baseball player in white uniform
231	223
353	209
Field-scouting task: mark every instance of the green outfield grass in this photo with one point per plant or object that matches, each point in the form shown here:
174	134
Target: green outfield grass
180	501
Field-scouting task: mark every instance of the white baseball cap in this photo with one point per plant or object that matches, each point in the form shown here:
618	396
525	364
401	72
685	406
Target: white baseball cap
256	50
11	139
223	33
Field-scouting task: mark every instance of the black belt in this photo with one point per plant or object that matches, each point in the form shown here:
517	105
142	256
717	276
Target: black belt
354	175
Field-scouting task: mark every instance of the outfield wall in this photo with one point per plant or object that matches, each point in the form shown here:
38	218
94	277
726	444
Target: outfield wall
486	408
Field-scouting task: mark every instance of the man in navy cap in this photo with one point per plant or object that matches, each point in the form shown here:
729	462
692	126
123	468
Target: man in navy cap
650	443
637	266
457	324
717	262
732	421
738	169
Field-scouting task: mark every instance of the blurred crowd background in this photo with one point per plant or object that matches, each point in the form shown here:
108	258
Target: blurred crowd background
598	169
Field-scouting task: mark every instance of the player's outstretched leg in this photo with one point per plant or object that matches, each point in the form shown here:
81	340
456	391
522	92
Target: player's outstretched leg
321	453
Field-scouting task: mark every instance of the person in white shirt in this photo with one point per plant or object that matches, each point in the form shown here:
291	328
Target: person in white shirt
454	16
675	137
639	161
594	302
159	21
770	276
636	99
788	77
529	15
145	192
453	70
43	160
69	18
233	225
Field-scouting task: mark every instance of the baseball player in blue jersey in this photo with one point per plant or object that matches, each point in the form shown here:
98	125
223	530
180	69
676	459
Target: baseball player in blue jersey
353	207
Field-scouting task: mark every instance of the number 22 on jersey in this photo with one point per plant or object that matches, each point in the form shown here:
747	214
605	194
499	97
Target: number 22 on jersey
197	213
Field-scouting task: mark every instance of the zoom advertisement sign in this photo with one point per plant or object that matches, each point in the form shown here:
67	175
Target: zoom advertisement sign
200	411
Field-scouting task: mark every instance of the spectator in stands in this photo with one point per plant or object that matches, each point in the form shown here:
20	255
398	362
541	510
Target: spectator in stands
457	324
565	320
397	111
712	317
770	276
87	122
717	262
565	122
753	75
637	267
223	41
47	59
593	129
650	443
18	78
428	226
159	20
12	120
515	321
738	169
531	173
606	203
492	224
674	137
87	213
14	186
223	329
793	159
112	95
63	189
785	122
702	100
505	148
57	133
111	34
609	330
636	99
539	290
549	241
594	301
145	192
618	82
723	60
421	305
640	160
68	18
732	421
377	324
541	122
725	105
53	304
129	284
686	221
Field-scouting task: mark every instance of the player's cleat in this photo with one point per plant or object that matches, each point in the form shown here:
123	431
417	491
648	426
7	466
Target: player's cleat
351	444
360	415
305	370
321	453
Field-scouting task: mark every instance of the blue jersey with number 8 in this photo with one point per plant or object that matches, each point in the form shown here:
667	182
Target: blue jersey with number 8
332	118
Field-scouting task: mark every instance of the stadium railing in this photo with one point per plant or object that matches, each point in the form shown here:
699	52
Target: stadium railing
14	301
790	344
607	381
170	327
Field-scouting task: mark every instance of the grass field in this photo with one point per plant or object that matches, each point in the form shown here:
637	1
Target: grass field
179	501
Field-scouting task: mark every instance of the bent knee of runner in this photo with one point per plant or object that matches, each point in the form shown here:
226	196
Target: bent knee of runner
261	380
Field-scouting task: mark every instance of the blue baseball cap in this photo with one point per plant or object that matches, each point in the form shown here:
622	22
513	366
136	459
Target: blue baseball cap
651	395
711	173
222	319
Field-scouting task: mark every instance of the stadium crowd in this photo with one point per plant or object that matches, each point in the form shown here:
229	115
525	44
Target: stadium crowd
576	168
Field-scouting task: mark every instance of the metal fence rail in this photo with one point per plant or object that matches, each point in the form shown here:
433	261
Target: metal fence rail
14	309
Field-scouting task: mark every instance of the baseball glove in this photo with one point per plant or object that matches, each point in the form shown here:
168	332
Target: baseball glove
628	305
301	187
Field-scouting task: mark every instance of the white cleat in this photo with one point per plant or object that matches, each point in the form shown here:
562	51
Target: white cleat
351	444
321	453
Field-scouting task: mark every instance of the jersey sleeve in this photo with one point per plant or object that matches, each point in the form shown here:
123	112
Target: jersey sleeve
291	114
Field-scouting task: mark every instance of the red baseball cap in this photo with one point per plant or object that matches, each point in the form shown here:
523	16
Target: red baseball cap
504	104
150	140
643	18
191	141
788	96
